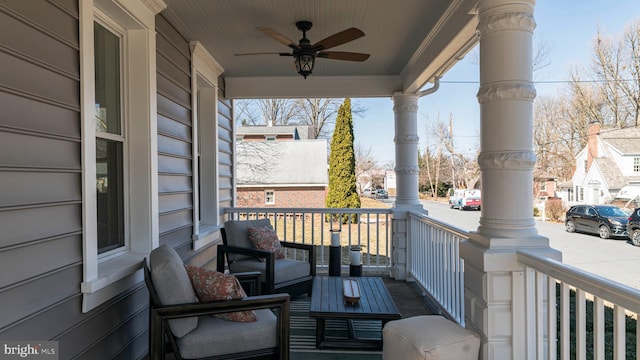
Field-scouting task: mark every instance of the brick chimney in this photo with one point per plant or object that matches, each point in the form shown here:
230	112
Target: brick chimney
592	142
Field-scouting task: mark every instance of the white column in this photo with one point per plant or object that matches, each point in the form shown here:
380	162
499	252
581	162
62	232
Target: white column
405	109
494	280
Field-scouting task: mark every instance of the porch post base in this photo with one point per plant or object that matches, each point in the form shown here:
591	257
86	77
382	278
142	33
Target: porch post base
495	291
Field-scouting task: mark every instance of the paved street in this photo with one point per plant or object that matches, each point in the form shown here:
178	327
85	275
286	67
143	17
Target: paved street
614	259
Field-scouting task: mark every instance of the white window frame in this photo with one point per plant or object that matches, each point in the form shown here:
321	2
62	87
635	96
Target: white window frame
543	185
117	30
266	201
105	277
636	164
205	71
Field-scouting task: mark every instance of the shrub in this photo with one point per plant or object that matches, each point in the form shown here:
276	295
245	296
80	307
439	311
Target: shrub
554	209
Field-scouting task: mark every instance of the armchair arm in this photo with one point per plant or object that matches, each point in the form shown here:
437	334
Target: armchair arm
311	249
268	256
168	312
161	314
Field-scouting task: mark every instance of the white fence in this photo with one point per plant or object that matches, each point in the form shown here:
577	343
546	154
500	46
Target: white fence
369	229
434	262
557	297
614	308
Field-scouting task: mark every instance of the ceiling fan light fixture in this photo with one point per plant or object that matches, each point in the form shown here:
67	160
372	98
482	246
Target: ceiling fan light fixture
304	64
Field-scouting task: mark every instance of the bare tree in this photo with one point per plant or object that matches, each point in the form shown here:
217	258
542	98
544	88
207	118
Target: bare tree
317	112
321	114
558	135
616	67
266	111
365	165
432	158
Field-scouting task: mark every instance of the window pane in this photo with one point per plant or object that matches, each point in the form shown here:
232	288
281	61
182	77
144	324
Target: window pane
110	190
107	67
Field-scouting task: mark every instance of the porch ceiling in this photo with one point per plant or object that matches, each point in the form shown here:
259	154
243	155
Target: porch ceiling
410	42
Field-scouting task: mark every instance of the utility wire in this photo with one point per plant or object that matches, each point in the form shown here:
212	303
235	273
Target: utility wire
547	81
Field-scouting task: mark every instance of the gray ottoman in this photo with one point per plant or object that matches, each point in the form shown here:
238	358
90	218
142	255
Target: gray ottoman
428	337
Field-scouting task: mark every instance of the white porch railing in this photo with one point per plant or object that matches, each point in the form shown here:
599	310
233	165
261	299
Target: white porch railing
435	264
609	302
369	229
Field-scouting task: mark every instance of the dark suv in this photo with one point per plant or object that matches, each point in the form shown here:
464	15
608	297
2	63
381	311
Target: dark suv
604	220
633	227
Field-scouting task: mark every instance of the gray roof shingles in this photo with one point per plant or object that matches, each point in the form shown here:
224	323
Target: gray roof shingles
302	162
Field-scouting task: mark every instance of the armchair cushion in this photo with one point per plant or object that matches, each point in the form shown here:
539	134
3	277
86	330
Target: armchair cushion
237	234
284	269
212	285
230	336
173	285
265	238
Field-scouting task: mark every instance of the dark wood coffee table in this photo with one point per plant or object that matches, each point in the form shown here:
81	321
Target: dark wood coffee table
327	302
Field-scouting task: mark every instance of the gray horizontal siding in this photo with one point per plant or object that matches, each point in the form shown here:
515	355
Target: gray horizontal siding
37	294
175	162
39	151
30	114
41	206
52	220
225	152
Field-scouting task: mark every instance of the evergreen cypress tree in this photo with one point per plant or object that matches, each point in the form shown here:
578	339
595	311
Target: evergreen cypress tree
342	164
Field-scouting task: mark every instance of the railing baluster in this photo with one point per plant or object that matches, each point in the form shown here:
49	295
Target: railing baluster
552	318
619	333
598	328
565	315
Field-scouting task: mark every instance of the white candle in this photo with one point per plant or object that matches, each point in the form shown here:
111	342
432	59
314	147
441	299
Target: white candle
355	257
335	238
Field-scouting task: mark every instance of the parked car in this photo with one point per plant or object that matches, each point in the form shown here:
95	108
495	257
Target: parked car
603	220
369	192
382	194
633	227
465	199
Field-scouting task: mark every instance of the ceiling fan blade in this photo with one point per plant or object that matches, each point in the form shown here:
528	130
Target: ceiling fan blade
342	55
338	39
278	37
263	53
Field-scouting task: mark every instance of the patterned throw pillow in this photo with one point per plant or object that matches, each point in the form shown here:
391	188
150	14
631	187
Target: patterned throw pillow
265	238
212	285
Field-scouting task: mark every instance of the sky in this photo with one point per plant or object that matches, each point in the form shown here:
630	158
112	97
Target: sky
566	27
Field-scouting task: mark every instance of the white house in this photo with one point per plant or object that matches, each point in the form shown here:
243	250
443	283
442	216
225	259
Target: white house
608	168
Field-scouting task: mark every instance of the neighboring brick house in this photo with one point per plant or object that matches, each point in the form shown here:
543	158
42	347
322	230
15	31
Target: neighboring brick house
280	166
608	168
544	185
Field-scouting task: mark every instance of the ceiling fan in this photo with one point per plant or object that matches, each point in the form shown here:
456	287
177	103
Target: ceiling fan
305	53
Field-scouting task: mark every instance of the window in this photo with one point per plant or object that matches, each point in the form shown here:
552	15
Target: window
636	164
270	138
109	141
586	166
269	197
570	195
543	186
580	194
205	75
119	159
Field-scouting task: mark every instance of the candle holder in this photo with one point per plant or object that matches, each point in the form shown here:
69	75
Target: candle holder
335	254
355	268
